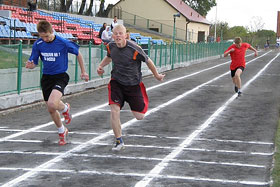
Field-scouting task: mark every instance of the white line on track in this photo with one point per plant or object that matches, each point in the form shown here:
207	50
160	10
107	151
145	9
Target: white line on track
158	147
234	141
106	104
148	136
135	158
96	139
94	172
159	167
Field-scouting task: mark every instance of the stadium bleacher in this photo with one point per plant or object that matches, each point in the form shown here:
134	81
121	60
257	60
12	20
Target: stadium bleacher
22	26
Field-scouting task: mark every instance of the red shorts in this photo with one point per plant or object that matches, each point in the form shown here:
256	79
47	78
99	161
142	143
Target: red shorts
135	96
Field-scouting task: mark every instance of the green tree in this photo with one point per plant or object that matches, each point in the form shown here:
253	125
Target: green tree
201	6
238	31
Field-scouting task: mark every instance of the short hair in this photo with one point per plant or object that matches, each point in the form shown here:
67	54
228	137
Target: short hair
119	26
237	40
44	26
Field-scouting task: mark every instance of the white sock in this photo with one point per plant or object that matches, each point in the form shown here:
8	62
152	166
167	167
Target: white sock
61	129
65	108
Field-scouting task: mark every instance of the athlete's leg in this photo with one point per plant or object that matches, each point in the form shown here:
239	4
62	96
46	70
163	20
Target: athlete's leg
115	120
55	105
138	115
237	79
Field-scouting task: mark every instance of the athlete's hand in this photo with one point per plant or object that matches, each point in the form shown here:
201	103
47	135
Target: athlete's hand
256	53
100	70
231	50
160	77
30	64
84	76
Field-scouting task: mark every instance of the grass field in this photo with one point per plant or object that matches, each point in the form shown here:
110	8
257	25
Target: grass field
276	169
10	59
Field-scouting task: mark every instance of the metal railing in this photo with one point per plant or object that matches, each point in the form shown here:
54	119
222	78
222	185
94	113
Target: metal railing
19	79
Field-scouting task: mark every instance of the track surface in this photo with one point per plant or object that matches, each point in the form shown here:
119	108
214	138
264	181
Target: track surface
195	133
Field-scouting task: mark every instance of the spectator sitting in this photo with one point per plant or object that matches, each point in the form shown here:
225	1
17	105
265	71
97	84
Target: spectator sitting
128	36
102	29
106	35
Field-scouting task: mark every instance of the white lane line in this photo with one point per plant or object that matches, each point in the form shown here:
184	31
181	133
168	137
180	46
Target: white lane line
137	158
94	172
148	136
234	141
158	147
96	139
159	167
106	104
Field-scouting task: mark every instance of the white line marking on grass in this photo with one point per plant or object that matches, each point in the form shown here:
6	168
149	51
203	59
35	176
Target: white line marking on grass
159	167
96	139
94	172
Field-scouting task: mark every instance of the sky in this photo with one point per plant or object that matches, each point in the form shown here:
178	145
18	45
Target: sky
244	12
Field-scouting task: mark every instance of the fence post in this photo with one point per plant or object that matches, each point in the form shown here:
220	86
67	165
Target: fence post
19	67
76	68
160	55
155	61
89	61
134	20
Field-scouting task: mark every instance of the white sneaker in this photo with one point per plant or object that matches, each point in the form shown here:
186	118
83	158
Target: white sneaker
119	146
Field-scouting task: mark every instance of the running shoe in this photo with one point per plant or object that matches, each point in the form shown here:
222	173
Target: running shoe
119	146
235	89
239	94
63	137
67	115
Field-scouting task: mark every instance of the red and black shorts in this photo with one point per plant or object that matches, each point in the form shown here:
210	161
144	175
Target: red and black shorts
50	82
135	96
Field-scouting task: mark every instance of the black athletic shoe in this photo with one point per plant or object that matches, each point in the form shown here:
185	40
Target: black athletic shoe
235	89
239	94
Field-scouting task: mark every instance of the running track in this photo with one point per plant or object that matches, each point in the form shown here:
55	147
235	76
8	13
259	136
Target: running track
195	133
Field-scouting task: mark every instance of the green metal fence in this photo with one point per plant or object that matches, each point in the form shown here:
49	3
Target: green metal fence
16	78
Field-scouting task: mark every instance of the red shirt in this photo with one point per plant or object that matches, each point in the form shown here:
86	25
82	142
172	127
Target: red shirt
238	55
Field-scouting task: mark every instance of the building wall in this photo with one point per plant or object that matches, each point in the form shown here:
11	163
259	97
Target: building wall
160	11
19	3
278	25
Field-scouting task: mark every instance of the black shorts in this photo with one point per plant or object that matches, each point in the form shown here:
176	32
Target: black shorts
135	96
50	82
233	71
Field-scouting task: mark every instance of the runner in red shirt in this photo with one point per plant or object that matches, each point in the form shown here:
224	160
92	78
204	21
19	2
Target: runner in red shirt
237	53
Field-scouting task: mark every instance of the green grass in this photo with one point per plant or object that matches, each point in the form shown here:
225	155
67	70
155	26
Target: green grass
276	169
10	59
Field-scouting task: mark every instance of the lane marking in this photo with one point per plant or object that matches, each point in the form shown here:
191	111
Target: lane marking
94	172
234	141
136	158
106	104
159	167
158	147
147	136
96	139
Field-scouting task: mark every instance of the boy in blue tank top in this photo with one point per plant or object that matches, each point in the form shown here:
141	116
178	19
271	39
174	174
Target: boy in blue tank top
53	51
